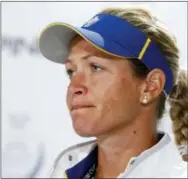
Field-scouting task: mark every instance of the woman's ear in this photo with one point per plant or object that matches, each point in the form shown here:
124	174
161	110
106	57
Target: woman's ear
153	86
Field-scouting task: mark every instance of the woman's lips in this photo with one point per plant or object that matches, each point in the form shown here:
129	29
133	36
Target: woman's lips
76	107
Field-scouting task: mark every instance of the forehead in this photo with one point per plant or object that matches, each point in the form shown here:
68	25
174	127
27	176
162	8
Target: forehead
78	44
82	49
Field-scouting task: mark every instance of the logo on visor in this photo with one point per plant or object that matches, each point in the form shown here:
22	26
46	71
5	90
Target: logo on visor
91	21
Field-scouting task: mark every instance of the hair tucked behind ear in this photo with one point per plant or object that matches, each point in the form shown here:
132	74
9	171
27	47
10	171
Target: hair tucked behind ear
179	111
149	24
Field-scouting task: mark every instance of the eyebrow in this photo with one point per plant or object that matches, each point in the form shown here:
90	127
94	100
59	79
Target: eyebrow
69	60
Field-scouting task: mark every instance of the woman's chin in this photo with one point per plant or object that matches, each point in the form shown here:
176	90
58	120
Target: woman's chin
84	133
84	129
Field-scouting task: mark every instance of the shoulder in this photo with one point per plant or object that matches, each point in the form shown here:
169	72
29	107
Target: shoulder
172	161
70	157
180	170
172	164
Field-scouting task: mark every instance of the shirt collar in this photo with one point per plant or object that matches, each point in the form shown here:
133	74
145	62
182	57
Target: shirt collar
88	164
80	169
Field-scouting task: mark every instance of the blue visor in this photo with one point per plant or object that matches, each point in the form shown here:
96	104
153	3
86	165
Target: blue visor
109	34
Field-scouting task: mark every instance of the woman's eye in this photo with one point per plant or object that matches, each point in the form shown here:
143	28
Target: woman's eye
96	67
70	73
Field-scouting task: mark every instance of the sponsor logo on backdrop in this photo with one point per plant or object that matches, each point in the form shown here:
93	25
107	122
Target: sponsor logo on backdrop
15	45
22	154
18	121
22	157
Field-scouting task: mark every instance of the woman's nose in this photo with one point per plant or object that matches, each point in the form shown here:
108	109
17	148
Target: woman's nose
78	90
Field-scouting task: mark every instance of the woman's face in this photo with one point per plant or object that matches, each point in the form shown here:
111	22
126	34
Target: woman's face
103	95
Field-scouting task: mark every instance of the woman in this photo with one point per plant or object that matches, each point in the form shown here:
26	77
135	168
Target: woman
123	66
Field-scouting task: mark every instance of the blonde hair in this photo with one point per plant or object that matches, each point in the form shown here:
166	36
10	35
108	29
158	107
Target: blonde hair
178	98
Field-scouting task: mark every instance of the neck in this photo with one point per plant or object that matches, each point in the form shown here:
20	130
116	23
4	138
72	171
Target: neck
117	148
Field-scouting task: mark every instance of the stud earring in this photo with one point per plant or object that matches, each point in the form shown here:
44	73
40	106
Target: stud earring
145	99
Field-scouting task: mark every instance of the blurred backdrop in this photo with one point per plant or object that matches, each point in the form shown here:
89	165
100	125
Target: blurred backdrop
36	125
